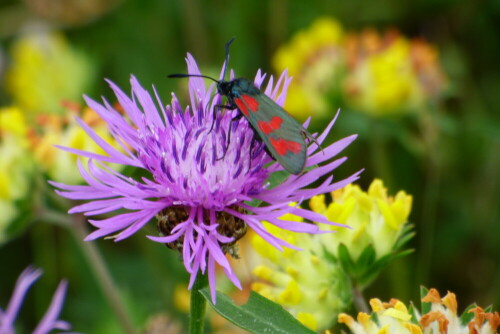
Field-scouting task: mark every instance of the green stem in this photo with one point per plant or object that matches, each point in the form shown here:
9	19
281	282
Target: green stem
379	155
278	11
103	276
195	29
431	193
76	225
359	300
198	306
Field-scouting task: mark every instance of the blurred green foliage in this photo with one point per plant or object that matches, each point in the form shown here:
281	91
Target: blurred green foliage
453	177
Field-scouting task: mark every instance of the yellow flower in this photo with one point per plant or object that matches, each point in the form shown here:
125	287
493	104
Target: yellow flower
313	57
46	70
324	32
311	284
374	217
65	131
16	165
181	297
394	317
390	74
378	74
311	288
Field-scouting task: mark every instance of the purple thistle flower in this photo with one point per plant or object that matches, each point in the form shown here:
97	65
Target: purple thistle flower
49	321
200	185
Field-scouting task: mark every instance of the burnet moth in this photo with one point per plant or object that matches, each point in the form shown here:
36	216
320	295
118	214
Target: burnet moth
283	136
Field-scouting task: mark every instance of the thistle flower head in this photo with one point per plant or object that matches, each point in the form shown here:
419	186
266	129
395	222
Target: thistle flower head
200	183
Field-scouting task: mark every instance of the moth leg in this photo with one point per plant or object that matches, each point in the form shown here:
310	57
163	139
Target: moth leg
235	118
309	136
269	153
220	106
250	152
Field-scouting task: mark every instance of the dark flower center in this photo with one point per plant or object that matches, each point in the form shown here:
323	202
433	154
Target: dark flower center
228	226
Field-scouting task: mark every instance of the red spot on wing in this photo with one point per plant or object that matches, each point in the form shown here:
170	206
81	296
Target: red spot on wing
241	106
282	146
252	103
273	124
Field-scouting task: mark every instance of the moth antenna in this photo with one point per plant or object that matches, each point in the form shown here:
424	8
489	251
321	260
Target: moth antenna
226	62
181	75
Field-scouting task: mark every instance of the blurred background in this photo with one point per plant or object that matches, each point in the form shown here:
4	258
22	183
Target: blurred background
418	82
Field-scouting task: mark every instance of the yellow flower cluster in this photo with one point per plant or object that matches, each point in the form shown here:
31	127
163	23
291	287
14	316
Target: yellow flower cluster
373	73
45	70
374	217
309	283
309	287
65	131
26	149
45	73
314	58
16	164
389	73
394	317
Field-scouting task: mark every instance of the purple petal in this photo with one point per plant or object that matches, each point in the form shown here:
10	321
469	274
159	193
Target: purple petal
294	226
129	106
49	320
24	282
169	238
149	107
330	151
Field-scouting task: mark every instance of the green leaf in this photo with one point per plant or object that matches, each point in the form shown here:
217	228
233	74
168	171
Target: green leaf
346	261
368	277
372	272
467	316
330	257
274	180
426	306
383	261
413	311
374	318
366	258
402	254
277	178
255	203
258	315
406	236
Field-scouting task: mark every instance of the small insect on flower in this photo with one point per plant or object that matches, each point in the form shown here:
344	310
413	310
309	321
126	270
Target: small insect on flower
283	136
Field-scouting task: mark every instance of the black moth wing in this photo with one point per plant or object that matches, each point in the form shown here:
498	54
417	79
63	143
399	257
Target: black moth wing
289	130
